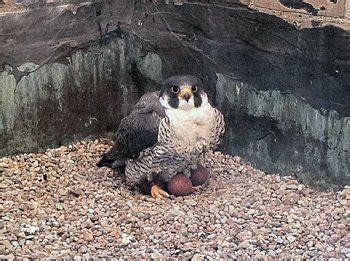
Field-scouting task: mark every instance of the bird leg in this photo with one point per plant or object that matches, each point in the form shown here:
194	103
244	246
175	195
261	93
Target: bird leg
157	192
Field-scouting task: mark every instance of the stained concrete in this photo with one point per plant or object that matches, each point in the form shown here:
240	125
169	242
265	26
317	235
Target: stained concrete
282	133
58	102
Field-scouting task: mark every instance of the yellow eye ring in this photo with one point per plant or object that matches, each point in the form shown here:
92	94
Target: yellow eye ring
175	89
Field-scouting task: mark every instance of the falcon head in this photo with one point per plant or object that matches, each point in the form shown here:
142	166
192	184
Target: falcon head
183	92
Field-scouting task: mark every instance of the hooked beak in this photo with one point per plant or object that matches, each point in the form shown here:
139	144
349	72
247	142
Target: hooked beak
185	92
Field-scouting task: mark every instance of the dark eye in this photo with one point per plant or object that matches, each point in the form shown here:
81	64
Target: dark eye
175	89
194	88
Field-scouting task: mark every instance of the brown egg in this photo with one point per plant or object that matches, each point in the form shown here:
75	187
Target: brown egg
199	176
180	185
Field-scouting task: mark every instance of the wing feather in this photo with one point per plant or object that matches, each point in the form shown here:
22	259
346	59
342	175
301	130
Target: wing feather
136	132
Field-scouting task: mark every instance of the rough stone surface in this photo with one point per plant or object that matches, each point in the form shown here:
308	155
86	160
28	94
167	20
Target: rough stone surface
58	204
76	72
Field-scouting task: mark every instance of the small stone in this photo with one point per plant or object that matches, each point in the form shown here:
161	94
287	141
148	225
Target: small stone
94	218
320	246
7	244
115	233
83	249
291	198
279	251
87	235
244	244
301	187
15	244
310	243
126	239
21	235
30	244
231	210
225	244
279	240
29	229
198	257
56	224
344	202
345	250
292	187
291	238
330	249
211	236
191	202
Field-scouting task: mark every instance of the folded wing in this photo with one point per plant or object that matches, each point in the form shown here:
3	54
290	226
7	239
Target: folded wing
136	132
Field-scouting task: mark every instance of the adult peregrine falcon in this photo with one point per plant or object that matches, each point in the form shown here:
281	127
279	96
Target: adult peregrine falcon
167	132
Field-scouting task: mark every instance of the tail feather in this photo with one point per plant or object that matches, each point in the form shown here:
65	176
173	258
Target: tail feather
104	163
111	158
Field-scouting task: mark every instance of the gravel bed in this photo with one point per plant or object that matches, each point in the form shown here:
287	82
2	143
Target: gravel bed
58	204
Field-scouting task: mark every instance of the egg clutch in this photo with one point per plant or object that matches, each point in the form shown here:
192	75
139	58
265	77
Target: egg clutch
180	184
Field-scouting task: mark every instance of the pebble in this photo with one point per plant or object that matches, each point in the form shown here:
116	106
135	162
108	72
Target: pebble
191	202
279	240
329	248
291	238
87	236
29	229
81	210
126	239
7	244
345	250
292	186
83	250
244	244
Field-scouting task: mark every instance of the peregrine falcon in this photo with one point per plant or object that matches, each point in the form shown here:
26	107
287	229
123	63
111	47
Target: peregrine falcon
167	132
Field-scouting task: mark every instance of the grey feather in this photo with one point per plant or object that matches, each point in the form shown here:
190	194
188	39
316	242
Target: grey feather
136	132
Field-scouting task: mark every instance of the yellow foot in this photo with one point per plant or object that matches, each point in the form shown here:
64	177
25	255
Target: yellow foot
157	192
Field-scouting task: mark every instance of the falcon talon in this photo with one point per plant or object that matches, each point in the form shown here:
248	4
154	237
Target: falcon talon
157	192
168	131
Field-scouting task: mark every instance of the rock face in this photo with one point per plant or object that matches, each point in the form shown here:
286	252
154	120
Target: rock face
285	91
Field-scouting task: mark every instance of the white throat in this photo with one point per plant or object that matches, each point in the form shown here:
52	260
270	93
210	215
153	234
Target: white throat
190	124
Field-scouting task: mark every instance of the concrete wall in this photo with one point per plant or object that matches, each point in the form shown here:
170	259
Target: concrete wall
58	102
